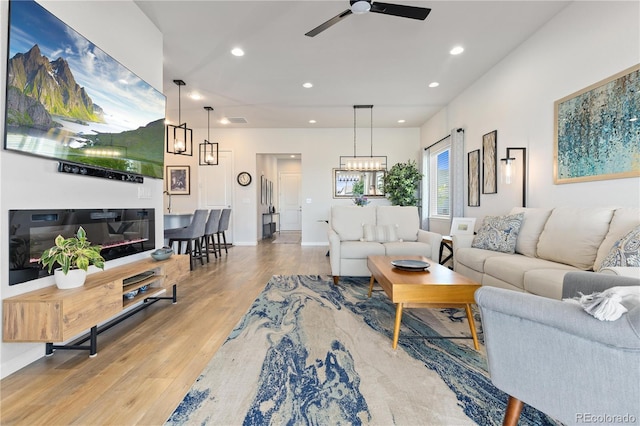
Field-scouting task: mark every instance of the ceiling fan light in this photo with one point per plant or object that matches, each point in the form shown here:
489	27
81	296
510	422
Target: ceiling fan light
360	7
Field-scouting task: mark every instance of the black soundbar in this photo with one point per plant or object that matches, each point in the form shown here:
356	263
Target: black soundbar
77	169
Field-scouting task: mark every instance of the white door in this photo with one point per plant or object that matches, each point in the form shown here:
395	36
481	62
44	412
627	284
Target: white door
215	184
290	201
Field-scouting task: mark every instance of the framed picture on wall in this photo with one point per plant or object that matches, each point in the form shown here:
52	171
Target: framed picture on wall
178	180
266	192
263	190
473	178
596	131
489	163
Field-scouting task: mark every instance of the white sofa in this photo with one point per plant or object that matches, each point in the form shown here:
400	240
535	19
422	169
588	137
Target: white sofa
550	243
357	232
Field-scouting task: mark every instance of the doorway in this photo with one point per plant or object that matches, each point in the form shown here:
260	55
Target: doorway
290	201
216	187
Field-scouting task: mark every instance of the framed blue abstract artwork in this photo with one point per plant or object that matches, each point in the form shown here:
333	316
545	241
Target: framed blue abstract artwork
597	131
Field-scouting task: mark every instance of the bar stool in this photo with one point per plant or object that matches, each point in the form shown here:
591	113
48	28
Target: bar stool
192	235
223	226
208	240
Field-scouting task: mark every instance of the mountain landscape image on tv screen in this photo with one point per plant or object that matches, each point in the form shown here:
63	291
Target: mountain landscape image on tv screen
69	100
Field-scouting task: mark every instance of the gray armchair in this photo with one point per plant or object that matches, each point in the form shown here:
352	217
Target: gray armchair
557	358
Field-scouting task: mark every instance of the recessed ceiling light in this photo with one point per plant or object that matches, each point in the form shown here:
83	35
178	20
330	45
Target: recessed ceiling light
457	50
195	96
292	156
224	121
236	51
434	84
312	121
307	85
401	121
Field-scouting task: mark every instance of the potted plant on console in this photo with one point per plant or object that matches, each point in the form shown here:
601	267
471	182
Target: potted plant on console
73	255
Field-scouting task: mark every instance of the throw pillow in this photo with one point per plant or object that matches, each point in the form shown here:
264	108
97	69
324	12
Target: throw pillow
498	233
625	251
380	233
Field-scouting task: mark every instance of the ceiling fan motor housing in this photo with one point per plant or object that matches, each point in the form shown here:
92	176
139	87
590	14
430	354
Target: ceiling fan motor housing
360	6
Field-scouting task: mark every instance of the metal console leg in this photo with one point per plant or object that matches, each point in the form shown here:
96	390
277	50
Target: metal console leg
93	342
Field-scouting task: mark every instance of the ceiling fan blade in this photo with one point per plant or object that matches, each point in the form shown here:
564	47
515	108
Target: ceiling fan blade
412	12
320	28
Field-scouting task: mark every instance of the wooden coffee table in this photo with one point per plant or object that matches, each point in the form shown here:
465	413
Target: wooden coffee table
438	287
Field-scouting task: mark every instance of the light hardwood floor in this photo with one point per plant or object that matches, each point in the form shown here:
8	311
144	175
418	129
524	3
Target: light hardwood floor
146	364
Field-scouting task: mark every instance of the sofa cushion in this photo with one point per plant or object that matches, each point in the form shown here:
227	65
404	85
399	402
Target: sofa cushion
474	258
625	252
406	217
360	249
380	233
546	282
347	221
512	269
573	235
532	225
408	248
624	219
498	233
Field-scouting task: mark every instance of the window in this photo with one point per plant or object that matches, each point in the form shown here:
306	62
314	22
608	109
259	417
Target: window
439	188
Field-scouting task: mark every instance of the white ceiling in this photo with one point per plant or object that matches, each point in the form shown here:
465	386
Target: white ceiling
370	59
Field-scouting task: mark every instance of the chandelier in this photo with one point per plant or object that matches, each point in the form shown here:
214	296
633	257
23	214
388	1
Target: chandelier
180	137
208	150
362	163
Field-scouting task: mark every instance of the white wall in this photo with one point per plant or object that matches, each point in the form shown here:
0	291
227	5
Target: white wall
585	43
320	150
30	182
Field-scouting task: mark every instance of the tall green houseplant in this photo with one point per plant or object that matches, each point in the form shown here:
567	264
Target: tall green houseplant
401	184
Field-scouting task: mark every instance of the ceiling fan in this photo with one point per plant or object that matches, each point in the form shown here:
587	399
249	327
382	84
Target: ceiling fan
360	7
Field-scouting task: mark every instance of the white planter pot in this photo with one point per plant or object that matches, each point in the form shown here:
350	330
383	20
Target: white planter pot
74	278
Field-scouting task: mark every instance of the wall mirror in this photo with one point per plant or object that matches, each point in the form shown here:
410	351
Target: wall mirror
343	181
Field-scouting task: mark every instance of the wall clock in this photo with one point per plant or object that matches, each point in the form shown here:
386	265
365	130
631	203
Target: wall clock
244	178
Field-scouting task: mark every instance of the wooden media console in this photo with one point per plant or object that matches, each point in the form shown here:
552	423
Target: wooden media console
53	315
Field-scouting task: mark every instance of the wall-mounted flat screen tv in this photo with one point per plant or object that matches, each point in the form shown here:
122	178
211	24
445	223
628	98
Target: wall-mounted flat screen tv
69	100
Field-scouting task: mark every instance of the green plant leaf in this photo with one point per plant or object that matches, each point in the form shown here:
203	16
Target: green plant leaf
70	253
401	183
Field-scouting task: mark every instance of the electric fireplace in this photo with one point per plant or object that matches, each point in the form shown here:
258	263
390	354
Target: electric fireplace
120	232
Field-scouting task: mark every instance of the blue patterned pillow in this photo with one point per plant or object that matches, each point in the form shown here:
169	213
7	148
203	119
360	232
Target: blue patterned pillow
499	233
625	251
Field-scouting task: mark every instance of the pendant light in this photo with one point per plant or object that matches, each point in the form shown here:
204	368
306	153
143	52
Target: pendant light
208	150
180	137
363	163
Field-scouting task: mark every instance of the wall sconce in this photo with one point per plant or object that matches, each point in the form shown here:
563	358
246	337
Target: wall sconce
208	150
509	171
179	138
365	163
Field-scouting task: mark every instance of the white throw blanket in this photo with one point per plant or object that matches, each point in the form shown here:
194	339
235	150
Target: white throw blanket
609	305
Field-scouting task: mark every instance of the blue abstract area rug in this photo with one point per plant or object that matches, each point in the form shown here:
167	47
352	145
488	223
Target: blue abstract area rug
309	352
